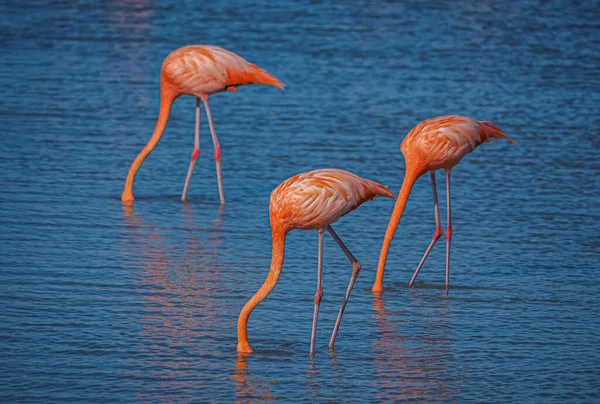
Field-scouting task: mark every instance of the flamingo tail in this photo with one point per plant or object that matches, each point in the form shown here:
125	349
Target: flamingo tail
490	130
376	189
260	76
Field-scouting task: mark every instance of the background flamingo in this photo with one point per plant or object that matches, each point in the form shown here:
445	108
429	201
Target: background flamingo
433	144
311	201
198	70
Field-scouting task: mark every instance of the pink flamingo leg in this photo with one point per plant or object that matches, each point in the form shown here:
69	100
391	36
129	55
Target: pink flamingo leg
318	294
355	271
217	149
438	229
195	153
448	231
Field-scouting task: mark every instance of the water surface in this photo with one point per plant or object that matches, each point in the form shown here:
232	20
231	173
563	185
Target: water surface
104	302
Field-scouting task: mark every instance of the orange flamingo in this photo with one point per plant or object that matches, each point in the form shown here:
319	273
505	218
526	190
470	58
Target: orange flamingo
311	201
431	145
200	71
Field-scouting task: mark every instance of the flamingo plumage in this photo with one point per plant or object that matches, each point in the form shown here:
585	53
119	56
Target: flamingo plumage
311	201
200	71
436	143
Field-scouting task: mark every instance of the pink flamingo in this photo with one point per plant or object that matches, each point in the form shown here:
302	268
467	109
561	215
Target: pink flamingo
311	201
433	144
200	71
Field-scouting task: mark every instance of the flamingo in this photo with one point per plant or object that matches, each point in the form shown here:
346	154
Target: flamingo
200	71
433	144
311	201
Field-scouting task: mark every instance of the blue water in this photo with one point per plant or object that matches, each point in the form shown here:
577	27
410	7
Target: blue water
103	302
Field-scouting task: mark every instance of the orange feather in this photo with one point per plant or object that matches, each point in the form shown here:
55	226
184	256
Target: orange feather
431	145
311	200
200	71
490	130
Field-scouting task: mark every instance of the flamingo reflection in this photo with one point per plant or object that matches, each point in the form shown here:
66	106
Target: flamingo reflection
178	283
413	361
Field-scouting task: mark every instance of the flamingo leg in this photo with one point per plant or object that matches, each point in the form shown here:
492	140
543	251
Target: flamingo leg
318	294
355	272
195	153
438	230
217	149
448	231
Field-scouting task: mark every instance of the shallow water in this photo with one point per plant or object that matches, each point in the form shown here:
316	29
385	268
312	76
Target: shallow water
103	302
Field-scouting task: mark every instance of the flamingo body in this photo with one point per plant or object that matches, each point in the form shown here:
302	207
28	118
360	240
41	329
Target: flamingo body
200	71
443	141
310	201
436	143
203	70
315	199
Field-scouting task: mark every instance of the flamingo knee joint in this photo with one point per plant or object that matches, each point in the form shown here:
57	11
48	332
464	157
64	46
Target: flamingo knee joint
318	296
356	268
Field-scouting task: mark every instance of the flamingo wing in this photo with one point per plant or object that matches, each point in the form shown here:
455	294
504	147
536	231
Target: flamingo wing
315	199
203	70
443	141
446	134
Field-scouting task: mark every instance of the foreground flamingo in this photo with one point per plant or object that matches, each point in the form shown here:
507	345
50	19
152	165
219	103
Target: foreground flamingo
433	144
198	70
311	201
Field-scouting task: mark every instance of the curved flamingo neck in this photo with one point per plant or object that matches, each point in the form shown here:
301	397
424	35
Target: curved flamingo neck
278	250
166	101
409	180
